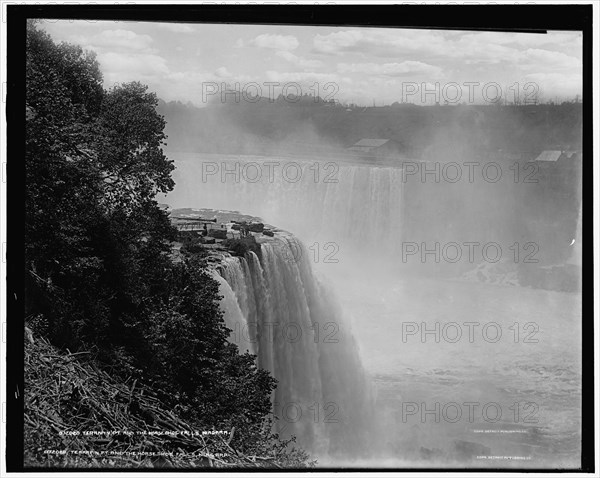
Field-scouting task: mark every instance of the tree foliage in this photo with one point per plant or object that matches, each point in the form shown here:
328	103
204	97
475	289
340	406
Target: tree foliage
98	262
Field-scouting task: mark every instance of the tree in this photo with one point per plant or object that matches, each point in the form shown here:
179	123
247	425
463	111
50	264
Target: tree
98	248
131	136
62	189
94	165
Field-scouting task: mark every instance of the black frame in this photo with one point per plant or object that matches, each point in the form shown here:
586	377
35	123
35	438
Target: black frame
502	18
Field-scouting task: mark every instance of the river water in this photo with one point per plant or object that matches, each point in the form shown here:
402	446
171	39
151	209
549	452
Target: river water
502	371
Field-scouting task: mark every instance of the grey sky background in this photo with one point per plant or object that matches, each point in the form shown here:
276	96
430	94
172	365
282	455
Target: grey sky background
352	65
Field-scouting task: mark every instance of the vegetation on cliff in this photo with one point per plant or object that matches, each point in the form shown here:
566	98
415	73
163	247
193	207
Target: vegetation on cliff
99	272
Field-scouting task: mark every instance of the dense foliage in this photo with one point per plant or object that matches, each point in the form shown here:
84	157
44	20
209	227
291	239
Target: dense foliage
100	275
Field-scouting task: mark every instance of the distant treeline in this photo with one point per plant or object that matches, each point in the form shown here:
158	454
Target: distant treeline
265	127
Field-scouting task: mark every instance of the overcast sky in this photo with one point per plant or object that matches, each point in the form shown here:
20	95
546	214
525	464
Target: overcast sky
359	65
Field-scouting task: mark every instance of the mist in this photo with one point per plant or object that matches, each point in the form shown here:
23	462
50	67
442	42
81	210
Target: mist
459	224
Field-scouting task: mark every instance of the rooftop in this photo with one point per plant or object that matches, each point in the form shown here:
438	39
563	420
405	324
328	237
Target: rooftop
549	156
371	142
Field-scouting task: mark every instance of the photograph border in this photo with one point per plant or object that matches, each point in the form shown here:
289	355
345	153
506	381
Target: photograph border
498	18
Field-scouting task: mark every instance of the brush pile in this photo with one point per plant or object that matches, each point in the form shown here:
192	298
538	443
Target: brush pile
77	415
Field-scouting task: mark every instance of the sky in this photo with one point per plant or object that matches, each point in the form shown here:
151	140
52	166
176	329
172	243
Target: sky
202	62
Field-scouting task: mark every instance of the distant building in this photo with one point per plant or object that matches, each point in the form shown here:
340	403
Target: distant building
373	147
549	156
557	168
558	158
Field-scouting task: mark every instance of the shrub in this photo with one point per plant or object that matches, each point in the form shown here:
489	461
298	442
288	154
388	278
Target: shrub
239	247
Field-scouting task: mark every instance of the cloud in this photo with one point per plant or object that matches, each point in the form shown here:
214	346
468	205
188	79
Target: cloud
337	42
125	67
124	40
406	68
299	61
222	72
468	48
128	56
554	84
301	77
380	42
554	40
366	63
276	42
176	27
536	58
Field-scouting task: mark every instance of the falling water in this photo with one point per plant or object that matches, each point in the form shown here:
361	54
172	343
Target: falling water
278	310
361	206
292	322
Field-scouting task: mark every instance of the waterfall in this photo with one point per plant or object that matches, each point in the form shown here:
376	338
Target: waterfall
292	322
359	205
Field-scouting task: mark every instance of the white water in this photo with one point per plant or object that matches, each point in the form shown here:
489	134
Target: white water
361	206
365	209
279	311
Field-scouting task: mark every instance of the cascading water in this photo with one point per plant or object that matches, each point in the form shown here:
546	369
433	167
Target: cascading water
361	206
280	311
274	304
323	396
